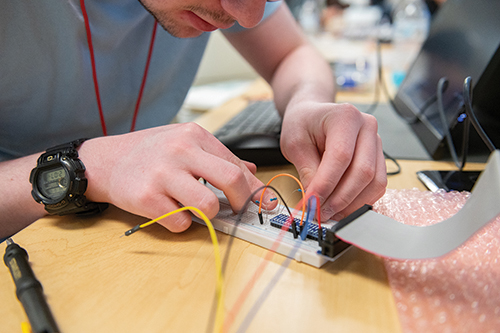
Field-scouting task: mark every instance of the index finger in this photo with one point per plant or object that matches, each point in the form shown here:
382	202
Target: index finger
339	150
234	177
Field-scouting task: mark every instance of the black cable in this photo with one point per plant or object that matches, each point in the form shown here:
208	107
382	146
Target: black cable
398	170
372	108
465	138
423	108
431	100
472	116
441	87
381	78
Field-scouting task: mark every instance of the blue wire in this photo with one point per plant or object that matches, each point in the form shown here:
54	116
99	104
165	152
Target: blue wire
311	207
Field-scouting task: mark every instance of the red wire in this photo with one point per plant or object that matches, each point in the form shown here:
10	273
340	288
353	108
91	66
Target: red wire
318	210
231	316
94	71
150	52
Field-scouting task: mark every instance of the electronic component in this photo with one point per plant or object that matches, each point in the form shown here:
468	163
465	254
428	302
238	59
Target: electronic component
280	220
332	245
448	180
259	117
267	234
367	229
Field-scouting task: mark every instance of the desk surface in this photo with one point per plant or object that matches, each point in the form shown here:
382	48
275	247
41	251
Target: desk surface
157	281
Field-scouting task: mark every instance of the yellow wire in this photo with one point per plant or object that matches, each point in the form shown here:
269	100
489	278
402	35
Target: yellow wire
301	189
25	327
219	316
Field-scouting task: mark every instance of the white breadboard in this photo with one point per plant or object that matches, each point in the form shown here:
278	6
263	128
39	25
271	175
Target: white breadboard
266	235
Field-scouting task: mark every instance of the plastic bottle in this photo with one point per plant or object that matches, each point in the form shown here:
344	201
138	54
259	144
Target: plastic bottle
309	16
411	21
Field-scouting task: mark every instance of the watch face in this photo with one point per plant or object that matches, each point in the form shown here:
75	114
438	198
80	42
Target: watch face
53	183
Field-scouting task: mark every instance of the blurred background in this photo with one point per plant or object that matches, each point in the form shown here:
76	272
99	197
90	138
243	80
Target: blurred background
331	25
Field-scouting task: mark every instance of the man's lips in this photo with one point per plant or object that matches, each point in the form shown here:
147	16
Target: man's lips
200	24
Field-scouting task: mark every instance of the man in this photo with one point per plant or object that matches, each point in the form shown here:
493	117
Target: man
47	98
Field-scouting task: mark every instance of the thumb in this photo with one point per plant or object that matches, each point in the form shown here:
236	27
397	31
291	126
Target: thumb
306	159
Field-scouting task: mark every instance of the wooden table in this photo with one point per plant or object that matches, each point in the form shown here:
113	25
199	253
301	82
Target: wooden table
157	281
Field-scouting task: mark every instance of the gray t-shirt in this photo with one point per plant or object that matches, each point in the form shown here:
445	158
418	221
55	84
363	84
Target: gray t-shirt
47	92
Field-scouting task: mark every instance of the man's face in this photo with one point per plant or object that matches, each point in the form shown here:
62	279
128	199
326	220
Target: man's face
190	18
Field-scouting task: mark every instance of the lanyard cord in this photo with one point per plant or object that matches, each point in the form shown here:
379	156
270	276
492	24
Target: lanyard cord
94	72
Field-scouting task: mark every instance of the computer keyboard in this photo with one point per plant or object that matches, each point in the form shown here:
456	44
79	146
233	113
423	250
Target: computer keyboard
254	134
259	117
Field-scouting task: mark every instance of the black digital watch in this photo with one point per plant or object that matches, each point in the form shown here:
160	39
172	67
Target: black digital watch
58	181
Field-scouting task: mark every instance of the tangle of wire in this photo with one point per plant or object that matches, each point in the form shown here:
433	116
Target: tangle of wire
243	211
470	117
313	203
274	280
438	97
303	198
260	269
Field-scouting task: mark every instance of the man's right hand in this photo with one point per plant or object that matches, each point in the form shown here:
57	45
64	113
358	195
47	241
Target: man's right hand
151	172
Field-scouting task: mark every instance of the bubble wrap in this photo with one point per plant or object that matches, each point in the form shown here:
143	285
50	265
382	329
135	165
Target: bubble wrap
459	292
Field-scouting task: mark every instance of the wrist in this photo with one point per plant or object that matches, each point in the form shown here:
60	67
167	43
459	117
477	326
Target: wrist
96	169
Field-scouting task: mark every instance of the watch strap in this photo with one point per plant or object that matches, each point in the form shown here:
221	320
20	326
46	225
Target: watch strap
69	149
66	149
79	206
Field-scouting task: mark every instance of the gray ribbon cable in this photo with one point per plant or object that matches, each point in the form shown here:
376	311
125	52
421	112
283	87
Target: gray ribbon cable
387	237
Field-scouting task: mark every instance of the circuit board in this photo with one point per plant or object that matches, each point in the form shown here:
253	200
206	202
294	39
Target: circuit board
271	234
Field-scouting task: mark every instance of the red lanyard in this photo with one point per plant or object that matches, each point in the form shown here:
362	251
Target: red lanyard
94	72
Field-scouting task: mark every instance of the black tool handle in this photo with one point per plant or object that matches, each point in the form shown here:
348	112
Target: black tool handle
29	290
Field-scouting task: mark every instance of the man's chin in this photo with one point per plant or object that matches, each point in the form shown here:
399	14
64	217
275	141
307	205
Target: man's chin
184	32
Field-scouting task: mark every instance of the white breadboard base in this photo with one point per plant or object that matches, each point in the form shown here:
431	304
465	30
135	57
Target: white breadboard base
265	235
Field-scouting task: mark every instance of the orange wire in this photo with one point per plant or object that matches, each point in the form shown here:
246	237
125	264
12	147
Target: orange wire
301	188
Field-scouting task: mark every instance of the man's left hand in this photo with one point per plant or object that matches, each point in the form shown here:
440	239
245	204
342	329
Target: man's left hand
338	155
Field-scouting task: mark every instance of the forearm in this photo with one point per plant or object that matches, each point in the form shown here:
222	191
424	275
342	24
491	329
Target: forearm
313	82
18	209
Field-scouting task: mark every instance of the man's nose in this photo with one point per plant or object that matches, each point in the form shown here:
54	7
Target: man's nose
248	13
